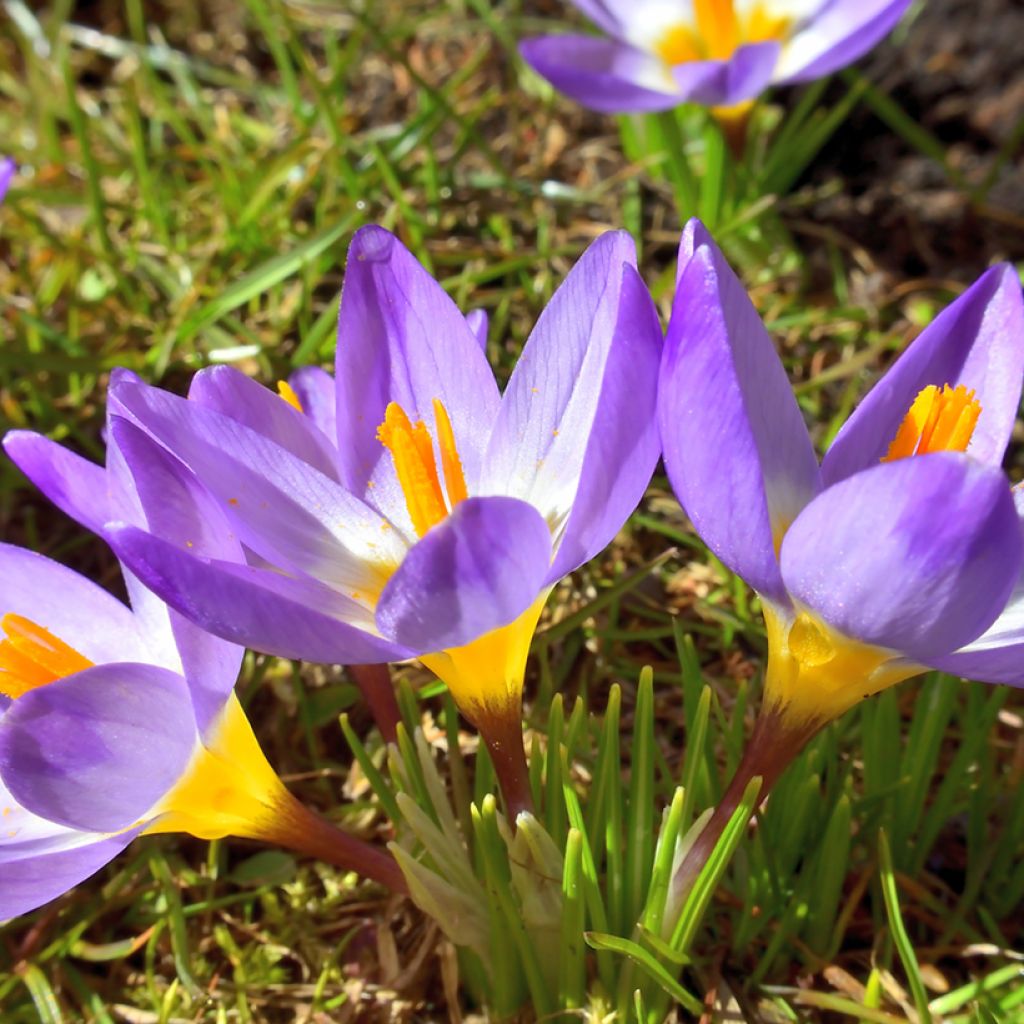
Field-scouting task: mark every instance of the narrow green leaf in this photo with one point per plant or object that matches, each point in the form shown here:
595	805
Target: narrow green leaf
572	964
900	938
647	963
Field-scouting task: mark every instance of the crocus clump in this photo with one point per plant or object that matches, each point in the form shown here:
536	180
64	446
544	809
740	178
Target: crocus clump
407	508
902	551
659	53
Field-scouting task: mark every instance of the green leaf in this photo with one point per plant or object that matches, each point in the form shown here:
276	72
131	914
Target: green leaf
900	938
647	963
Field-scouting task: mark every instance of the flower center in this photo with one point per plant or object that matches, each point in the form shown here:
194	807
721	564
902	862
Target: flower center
717	30
412	450
31	656
939	420
815	673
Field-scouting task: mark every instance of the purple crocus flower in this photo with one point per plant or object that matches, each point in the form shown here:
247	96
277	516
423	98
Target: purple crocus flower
720	53
407	508
100	742
903	550
118	721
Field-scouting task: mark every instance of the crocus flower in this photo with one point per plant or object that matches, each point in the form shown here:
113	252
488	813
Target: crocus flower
118	721
407	508
720	53
903	550
100	742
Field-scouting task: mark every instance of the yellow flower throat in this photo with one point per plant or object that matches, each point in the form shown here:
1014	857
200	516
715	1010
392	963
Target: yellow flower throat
816	673
717	30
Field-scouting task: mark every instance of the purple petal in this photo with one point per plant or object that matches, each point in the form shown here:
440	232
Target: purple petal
30	882
71	607
7	170
262	609
576	436
603	74
96	750
281	507
605	14
694	236
477	322
181	512
724	83
977	341
232	393
841	32
735	445
76	486
318	396
477	570
918	555
402	339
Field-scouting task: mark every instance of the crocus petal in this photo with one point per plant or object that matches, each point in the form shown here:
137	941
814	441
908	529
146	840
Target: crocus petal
574	436
97	749
477	570
977	341
918	555
262	609
744	76
603	74
693	237
402	339
317	395
7	169
284	509
735	445
71	607
477	321
232	393
841	32
30	882
181	512
75	485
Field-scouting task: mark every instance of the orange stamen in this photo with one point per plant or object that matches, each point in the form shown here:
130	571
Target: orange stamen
678	45
413	455
717	30
717	27
412	450
32	656
939	420
287	392
454	477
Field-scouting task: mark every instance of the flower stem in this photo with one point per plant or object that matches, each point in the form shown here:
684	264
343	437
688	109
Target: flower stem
773	745
374	682
503	734
295	827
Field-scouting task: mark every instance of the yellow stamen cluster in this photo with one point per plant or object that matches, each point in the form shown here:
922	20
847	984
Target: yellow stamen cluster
717	31
287	392
31	656
412	450
940	420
